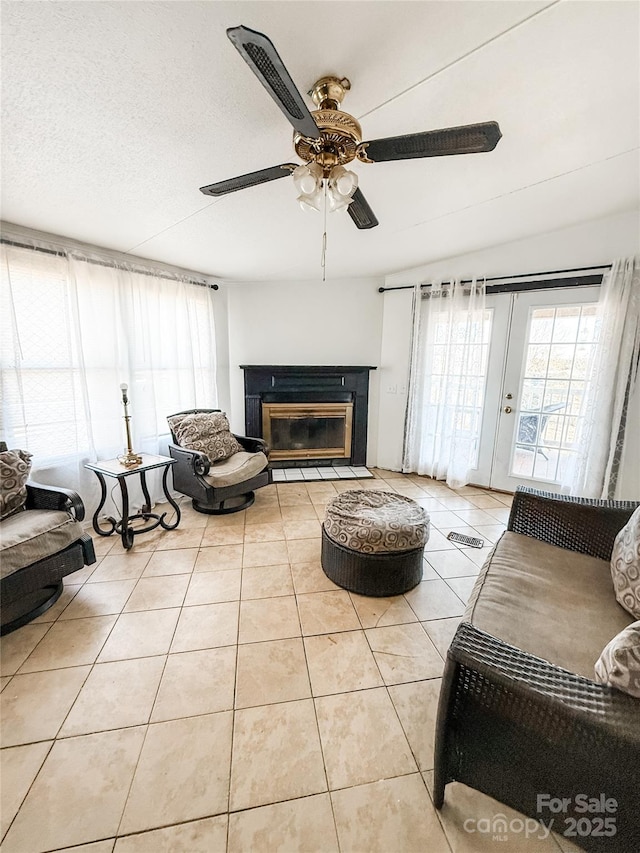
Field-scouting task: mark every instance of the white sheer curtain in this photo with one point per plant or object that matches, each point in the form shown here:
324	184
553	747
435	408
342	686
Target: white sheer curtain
612	380
447	382
73	329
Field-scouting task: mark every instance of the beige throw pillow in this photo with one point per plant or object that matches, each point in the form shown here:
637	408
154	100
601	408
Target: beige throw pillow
619	664
14	473
625	565
206	432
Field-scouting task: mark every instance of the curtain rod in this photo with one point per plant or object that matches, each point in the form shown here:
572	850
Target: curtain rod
504	288
61	253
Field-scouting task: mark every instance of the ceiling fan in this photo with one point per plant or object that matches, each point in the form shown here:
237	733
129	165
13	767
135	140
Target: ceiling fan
327	139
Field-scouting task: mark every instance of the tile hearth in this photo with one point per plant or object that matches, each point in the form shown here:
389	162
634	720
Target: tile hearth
212	690
325	472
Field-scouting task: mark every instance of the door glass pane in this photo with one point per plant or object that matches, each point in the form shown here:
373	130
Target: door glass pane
561	360
545	462
582	361
541	326
552	433
532	394
537	361
576	395
523	461
528	427
556	393
588	324
565	327
558	355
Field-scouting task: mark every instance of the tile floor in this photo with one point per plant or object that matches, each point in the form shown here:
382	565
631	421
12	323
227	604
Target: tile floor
211	690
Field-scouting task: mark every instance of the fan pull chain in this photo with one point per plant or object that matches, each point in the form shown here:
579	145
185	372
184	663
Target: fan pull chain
323	260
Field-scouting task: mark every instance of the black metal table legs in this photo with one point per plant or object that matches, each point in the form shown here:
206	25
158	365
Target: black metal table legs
124	526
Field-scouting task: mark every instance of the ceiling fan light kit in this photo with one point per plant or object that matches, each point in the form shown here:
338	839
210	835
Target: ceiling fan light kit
327	139
315	184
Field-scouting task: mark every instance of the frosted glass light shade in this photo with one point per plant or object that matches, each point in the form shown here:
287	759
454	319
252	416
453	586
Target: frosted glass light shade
343	181
311	201
307	178
337	201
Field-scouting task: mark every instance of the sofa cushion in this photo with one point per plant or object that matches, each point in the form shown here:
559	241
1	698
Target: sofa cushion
238	468
619	664
206	432
14	473
33	534
540	598
376	522
625	565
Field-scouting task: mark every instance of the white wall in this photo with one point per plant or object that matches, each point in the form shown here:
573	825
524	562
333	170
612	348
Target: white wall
221	319
395	354
335	322
596	242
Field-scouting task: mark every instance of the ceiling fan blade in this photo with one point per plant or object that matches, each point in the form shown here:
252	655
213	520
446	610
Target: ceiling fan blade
360	212
263	59
468	139
252	179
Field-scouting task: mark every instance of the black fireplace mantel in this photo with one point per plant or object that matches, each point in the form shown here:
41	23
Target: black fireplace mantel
308	369
309	383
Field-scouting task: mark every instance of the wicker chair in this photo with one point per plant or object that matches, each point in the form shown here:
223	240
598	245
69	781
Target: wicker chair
514	726
27	589
212	488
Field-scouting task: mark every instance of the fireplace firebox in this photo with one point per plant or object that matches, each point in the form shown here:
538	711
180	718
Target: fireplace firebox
308	414
307	430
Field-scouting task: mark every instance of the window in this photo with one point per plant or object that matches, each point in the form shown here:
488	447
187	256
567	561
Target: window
558	355
73	330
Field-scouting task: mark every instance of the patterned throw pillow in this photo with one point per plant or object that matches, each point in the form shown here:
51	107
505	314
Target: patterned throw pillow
14	472
625	565
619	663
206	432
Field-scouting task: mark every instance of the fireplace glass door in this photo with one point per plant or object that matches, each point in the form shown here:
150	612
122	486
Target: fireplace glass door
307	430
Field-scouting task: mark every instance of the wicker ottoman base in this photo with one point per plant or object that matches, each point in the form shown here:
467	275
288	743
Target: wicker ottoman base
371	574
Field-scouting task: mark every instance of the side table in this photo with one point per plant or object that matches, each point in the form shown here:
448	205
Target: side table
114	468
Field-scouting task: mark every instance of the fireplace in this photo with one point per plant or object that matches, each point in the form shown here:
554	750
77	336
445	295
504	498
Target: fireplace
308	415
307	430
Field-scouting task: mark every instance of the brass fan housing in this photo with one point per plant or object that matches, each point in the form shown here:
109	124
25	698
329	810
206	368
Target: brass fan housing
340	133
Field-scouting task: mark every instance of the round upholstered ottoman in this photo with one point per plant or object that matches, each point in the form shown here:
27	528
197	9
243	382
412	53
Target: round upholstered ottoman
373	542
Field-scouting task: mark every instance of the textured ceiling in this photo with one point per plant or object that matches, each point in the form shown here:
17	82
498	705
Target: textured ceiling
114	113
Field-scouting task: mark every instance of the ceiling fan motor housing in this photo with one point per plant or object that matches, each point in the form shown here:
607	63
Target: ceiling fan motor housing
340	133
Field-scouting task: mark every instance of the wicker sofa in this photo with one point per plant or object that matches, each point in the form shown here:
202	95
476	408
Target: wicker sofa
520	715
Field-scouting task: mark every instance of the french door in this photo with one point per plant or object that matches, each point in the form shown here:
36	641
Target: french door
541	347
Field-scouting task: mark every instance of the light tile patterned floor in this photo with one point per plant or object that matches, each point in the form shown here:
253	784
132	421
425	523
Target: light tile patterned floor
211	690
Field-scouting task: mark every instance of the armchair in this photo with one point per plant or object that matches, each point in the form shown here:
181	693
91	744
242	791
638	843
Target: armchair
40	544
218	487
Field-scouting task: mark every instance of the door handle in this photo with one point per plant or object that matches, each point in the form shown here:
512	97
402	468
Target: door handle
507	410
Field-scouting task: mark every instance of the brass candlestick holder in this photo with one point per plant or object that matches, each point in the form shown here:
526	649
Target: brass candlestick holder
129	459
